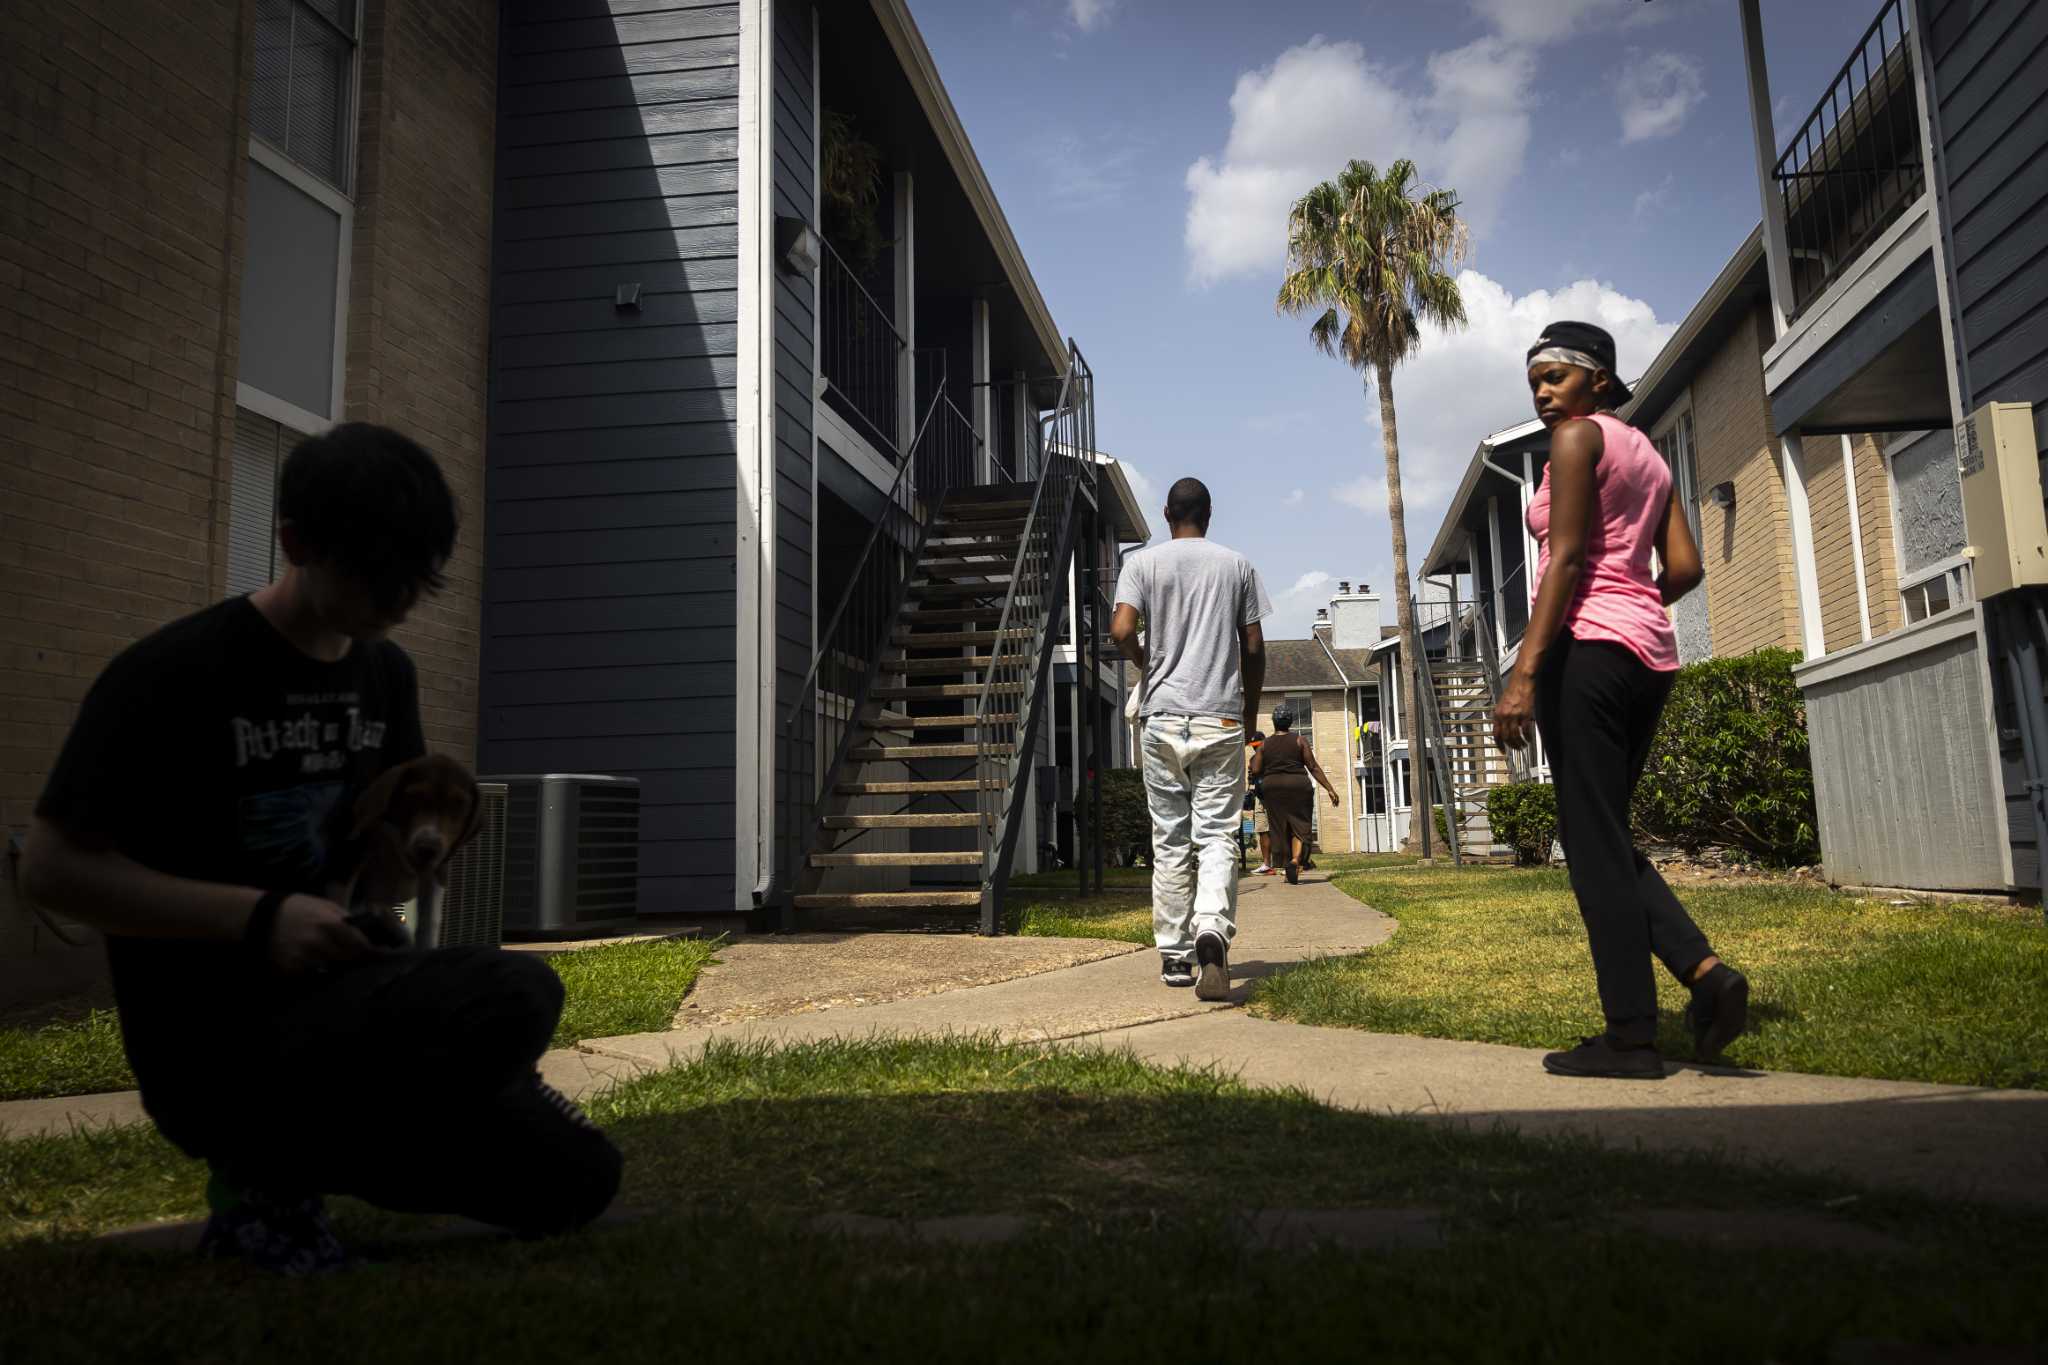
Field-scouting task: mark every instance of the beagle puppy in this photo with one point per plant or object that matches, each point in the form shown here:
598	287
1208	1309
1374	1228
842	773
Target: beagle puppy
407	824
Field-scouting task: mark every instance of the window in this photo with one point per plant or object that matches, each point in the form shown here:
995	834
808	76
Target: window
1676	446
1302	704
1372	790
303	98
260	448
1938	588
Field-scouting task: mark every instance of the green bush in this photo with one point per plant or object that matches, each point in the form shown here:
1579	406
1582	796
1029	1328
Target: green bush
1126	819
1730	766
1523	815
1443	831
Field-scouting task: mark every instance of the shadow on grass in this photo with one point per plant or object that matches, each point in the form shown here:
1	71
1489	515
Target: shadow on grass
1121	1178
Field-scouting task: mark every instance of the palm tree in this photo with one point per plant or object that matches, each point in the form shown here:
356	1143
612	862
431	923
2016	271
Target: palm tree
1372	255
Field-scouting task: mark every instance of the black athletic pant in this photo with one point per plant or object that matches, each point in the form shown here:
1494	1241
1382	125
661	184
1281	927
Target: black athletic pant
410	1084
1597	705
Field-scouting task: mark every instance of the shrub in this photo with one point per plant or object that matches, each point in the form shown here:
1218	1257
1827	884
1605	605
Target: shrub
1730	765
1523	815
1126	819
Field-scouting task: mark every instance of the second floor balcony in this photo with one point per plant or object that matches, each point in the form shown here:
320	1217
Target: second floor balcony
1855	165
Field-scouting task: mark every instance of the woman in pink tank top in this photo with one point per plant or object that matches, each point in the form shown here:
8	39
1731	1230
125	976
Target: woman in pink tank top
1593	673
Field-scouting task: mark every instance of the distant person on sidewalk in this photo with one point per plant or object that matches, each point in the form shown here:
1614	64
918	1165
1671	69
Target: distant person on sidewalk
1284	767
1595	668
1202	663
1261	825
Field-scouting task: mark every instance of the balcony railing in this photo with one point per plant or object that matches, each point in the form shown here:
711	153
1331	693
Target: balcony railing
1855	165
860	352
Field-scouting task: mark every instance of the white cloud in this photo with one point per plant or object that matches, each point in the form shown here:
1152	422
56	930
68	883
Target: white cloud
1088	15
1312	581
1536	22
1655	200
1324	103
1087	173
1654	93
1294	498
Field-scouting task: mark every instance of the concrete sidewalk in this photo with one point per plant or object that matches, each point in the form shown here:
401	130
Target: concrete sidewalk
1944	1140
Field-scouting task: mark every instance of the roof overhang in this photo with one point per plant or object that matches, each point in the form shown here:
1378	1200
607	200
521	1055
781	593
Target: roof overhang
923	74
1727	301
1442	549
1132	528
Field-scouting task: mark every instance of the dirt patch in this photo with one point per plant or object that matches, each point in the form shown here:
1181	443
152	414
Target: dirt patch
798	973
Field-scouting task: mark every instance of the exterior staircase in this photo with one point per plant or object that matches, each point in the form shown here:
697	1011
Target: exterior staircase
919	748
1462	697
906	756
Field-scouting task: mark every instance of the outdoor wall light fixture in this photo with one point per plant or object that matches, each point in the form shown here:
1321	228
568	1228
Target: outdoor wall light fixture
1722	495
798	243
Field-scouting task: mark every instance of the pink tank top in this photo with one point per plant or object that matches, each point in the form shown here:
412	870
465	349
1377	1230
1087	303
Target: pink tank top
1617	599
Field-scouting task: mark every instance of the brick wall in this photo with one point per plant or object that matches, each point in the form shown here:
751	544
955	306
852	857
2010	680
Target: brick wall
123	130
121	183
419	301
1834	547
1752	596
1336	831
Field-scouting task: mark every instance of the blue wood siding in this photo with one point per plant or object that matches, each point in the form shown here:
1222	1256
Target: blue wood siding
1990	90
794	111
609	634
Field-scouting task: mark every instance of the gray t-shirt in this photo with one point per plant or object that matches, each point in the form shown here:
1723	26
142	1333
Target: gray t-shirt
1194	596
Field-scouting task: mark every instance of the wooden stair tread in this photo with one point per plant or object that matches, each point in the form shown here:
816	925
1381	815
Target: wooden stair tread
940	639
942	691
910	753
956	616
964	819
969	857
964	509
879	900
890	720
935	787
965	663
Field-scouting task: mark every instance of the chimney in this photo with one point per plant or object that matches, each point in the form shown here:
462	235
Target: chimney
1355	619
1343	587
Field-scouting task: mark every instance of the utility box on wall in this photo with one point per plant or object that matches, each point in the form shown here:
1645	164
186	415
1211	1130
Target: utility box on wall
2002	509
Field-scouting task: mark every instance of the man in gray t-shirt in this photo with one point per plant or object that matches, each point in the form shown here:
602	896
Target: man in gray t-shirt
1201	666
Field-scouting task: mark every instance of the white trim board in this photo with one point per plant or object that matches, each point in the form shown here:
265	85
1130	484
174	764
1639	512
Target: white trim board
1873	270
856	449
754	515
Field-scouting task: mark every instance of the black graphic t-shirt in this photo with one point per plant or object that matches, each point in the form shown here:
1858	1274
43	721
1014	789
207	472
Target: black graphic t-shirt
215	750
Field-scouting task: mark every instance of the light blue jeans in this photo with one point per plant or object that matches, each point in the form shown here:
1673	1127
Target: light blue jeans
1194	788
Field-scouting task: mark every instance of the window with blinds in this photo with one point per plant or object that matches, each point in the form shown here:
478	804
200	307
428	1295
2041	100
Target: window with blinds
304	92
260	447
1676	446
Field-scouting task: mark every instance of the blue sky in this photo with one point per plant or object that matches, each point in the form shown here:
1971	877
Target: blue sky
1145	152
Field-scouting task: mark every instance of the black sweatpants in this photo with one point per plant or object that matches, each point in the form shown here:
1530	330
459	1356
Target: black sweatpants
408	1083
1597	705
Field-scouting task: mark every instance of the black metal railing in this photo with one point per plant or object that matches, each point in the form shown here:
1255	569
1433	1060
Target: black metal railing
842	671
1013	687
860	352
1855	165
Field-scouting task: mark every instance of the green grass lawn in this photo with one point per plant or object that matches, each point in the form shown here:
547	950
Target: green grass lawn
1122	915
1068	880
1839	985
614	989
1124	1175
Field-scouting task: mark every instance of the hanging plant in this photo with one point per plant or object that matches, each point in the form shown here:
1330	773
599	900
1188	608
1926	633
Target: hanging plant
850	192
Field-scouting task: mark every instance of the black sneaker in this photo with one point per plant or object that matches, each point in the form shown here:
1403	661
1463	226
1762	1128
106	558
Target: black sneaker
1293	874
1598	1056
1176	971
283	1236
1214	956
1719	1011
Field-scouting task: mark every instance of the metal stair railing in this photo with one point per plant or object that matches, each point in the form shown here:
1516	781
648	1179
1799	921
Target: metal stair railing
1031	613
1433	747
851	645
1489	659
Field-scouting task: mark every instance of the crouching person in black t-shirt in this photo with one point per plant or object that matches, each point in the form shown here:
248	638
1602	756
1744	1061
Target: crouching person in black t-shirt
200	804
